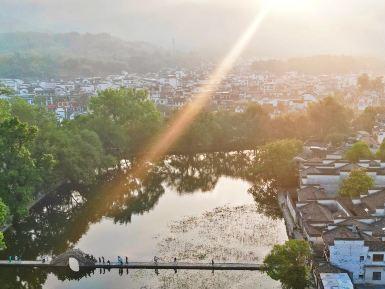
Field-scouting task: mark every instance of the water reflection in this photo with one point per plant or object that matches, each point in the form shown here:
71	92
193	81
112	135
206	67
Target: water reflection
60	220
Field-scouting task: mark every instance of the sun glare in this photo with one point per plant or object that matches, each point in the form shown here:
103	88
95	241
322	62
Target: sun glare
289	6
187	115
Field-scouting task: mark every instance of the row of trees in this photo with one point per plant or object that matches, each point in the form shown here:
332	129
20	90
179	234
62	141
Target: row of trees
38	153
364	82
361	151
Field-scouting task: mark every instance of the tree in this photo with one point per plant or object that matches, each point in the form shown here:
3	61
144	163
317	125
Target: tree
328	116
363	82
288	263
336	139
5	90
79	154
124	119
381	152
19	174
366	119
275	161
4	212
358	151
356	184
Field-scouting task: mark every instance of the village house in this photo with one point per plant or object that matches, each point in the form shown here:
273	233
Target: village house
346	233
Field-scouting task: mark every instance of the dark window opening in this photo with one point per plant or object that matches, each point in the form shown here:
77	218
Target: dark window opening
378	257
376	276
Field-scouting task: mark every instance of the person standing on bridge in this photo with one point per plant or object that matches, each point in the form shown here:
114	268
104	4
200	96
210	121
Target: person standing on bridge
100	260
126	260
103	259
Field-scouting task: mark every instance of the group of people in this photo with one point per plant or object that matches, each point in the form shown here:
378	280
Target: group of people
13	258
120	261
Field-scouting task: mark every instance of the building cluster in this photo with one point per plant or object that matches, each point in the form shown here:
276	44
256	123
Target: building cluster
171	89
347	234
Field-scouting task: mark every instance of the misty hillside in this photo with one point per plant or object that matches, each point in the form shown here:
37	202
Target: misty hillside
68	55
322	64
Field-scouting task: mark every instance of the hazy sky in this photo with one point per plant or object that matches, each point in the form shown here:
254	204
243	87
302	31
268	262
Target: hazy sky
293	27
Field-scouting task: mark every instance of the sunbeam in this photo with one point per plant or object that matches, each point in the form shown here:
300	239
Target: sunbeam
187	115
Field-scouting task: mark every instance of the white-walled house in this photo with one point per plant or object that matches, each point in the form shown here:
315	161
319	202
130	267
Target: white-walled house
362	256
328	173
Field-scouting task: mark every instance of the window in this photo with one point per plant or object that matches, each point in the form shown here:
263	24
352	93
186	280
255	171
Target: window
376	276
361	276
378	257
362	258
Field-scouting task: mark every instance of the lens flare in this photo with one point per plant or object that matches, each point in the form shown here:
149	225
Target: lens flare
187	115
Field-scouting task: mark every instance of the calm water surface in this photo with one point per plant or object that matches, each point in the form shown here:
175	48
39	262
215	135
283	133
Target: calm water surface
195	208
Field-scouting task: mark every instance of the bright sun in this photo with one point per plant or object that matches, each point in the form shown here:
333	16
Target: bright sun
286	6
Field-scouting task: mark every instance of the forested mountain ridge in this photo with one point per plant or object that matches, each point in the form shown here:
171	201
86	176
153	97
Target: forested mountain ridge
322	64
68	55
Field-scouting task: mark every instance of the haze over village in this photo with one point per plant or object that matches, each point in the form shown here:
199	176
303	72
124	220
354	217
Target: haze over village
192	144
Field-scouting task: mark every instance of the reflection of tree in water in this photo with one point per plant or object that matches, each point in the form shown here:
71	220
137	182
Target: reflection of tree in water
191	173
60	220
265	195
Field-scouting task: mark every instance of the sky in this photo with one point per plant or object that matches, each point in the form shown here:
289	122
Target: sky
291	27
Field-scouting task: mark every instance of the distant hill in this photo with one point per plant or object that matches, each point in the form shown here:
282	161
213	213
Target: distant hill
69	55
322	64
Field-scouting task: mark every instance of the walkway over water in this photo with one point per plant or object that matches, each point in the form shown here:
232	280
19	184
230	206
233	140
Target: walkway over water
144	265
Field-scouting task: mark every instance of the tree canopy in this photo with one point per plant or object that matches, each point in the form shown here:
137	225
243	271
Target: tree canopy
358	151
288	263
275	160
364	82
357	183
328	116
381	152
4	213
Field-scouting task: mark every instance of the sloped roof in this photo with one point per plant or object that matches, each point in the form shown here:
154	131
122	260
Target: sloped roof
315	212
344	233
352	222
312	230
310	170
349	167
374	200
376	246
310	193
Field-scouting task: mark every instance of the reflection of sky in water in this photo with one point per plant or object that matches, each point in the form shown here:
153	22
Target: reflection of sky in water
140	240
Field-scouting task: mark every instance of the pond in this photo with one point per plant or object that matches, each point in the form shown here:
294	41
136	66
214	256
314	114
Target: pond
195	208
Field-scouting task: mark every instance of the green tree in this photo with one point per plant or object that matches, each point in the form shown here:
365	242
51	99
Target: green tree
356	184
275	161
288	263
124	119
377	84
336	139
4	213
328	116
19	174
358	151
79	154
381	152
4	90
366	119
363	82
